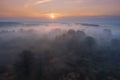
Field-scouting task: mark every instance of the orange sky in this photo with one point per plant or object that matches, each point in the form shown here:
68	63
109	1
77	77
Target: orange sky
43	8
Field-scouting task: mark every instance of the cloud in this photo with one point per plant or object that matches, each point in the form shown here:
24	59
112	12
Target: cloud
41	1
35	2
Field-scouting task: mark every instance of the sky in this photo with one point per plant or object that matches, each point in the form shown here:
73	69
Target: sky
58	8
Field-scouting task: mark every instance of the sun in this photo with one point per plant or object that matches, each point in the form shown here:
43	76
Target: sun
52	16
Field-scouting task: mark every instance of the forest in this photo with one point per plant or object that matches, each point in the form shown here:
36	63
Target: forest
72	55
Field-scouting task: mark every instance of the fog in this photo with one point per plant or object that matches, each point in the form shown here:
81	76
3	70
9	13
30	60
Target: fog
25	36
62	46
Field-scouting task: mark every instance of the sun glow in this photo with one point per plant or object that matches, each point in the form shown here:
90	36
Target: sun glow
52	16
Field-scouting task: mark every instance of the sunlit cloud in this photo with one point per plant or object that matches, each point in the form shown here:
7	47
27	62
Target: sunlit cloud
35	2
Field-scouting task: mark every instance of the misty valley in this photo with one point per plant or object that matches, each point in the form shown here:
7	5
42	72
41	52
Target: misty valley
59	51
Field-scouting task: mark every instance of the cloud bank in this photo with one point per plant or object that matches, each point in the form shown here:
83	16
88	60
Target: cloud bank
35	2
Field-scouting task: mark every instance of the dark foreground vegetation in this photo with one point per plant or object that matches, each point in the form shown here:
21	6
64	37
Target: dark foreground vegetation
71	56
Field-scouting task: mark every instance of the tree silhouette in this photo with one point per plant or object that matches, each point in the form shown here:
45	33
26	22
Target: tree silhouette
25	65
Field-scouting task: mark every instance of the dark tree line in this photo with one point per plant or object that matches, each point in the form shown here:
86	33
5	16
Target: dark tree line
71	56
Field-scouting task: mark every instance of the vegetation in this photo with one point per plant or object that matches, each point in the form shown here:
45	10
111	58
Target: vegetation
70	56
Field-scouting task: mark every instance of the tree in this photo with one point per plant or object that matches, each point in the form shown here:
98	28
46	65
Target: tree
24	66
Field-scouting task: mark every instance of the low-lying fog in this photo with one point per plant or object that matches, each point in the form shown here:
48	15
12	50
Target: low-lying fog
14	39
60	46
